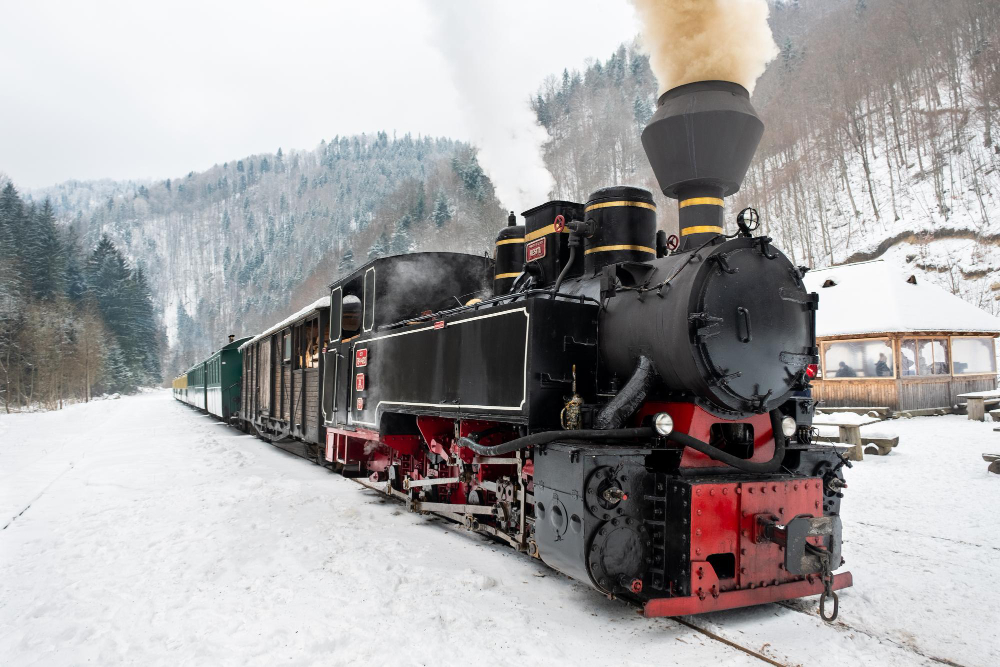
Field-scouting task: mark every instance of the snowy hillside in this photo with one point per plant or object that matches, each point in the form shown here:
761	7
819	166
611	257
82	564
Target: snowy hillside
229	249
879	136
137	531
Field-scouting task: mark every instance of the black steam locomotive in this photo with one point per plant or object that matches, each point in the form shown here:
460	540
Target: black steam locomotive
630	408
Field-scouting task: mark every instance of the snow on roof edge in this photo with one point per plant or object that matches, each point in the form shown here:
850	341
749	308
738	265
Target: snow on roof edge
323	302
876	297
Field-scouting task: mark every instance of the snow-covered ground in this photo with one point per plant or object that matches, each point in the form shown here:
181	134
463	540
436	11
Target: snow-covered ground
154	535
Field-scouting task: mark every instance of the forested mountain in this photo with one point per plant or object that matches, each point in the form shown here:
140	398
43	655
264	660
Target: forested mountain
880	119
879	138
72	321
233	248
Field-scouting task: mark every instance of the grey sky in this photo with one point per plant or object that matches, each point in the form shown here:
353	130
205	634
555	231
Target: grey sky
153	90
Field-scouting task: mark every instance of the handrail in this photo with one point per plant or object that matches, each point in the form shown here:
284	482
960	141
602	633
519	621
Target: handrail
489	302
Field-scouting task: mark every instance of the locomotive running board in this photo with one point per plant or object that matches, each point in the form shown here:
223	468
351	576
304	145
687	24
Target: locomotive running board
742	598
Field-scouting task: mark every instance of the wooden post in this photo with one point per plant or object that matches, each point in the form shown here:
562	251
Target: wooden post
851	434
977	408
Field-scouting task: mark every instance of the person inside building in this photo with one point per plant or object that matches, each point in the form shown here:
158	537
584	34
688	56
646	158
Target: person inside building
845	371
882	367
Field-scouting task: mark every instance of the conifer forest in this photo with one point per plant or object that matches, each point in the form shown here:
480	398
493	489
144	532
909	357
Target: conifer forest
75	320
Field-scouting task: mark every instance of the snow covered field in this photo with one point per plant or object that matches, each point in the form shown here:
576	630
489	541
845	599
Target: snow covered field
154	535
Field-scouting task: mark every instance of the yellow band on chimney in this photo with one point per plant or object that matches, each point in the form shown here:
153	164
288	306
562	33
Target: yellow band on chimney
702	201
638	204
701	229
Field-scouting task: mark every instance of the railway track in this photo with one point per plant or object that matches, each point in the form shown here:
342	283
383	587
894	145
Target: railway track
841	626
300	450
925	536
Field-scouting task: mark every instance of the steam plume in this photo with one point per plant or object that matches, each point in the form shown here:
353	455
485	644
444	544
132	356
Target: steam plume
493	98
702	40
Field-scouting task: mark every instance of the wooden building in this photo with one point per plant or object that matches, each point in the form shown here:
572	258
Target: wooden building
888	339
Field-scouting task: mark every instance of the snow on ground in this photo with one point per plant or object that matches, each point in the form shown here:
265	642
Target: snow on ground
151	534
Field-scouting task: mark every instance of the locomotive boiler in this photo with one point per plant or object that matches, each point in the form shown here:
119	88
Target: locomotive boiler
628	407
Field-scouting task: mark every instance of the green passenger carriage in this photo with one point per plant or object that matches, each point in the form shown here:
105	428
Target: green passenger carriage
213	385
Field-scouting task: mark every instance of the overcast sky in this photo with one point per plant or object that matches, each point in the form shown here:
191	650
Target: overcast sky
154	90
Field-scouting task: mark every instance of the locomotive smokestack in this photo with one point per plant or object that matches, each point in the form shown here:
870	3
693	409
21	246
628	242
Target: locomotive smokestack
700	143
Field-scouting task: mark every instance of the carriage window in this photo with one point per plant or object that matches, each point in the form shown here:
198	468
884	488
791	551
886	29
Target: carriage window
286	345
971	356
309	355
924	356
858	358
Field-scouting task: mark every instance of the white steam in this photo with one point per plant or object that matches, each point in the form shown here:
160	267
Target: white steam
702	40
495	103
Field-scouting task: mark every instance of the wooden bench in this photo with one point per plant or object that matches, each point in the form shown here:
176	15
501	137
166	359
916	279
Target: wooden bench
977	403
994	461
880	446
851	434
883	412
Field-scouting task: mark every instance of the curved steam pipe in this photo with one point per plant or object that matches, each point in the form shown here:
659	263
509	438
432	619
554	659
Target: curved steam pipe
546	437
565	271
631	396
682	439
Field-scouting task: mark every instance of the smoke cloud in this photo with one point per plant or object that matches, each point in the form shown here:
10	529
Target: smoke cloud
702	40
494	102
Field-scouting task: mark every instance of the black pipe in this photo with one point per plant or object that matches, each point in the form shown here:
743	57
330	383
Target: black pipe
549	436
682	439
736	462
628	400
569	265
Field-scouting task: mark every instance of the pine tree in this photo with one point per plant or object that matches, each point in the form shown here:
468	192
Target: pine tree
641	112
346	263
12	222
420	207
380	248
402	240
117	376
73	277
43	255
442	212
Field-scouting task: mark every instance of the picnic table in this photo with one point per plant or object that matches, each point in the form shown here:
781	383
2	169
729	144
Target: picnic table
977	401
850	433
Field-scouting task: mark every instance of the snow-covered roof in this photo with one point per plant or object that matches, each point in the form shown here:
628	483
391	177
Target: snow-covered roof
875	297
319	303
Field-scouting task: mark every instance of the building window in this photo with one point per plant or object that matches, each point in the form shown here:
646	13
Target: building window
972	356
858	359
924	356
286	345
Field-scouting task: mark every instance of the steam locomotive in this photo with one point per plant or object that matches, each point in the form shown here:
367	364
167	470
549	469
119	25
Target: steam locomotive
630	408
